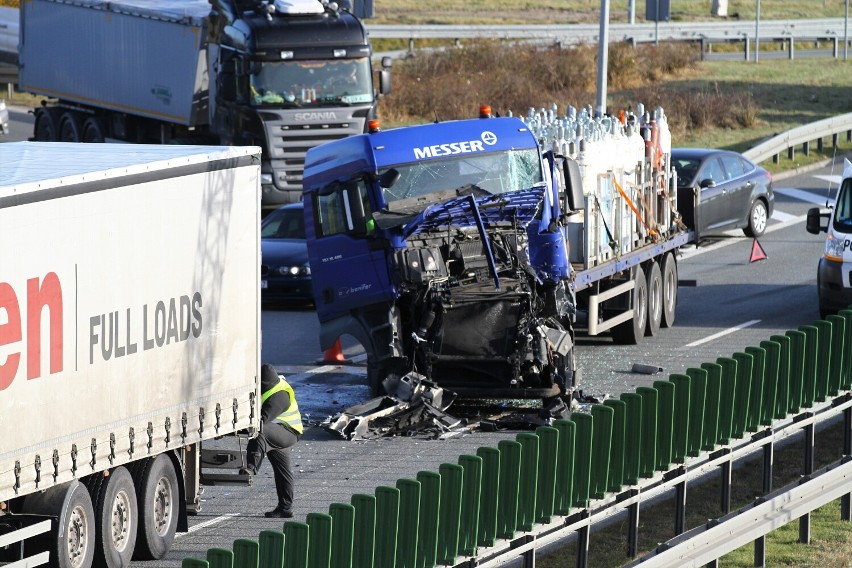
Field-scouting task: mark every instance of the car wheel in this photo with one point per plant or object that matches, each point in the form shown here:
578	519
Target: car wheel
757	219
632	331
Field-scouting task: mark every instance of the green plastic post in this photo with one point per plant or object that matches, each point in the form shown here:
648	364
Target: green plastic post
797	369
194	563
770	382
837	368
811	378
409	522
272	550
648	462
782	392
319	543
246	553
712	406
528	486
665	423
633	436
697	402
548	452
846	376
220	558
471	497
824	357
727	398
430	509
342	534
582	458
601	449
510	475
745	365
564	466
365	530
296	540
488	495
758	381
452	480
387	526
682	398
618	446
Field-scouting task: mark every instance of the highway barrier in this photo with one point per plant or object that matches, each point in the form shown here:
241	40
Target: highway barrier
556	478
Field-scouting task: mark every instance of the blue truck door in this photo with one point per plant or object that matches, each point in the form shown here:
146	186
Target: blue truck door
348	264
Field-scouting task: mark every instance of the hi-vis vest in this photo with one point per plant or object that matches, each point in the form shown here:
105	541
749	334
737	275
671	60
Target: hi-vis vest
291	417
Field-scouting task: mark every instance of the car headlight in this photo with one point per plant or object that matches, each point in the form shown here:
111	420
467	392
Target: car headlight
294	270
265	179
833	248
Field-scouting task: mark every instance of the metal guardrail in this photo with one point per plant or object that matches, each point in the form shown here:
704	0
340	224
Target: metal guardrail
801	136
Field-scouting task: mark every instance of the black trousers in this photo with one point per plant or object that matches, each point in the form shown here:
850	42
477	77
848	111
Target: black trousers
275	441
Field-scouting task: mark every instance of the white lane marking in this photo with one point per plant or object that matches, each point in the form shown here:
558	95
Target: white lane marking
802	195
206	524
695	251
835	179
781	216
723	333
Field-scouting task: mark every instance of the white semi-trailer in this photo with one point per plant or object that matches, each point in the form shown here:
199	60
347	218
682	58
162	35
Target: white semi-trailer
129	334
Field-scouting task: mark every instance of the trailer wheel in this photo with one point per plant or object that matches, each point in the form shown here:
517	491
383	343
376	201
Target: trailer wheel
69	128
669	289
93	130
46	126
157	497
72	545
117	517
632	331
655	299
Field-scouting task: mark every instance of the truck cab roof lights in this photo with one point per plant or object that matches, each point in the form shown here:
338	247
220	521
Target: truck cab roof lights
287	55
339	53
485	111
374	126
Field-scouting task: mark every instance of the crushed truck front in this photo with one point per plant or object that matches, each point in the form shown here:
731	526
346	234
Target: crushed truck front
438	247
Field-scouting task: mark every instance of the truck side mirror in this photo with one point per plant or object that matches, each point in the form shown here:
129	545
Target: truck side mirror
814	224
385	82
227	80
389	178
573	185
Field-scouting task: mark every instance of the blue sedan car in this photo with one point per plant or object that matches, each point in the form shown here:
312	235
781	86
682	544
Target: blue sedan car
285	274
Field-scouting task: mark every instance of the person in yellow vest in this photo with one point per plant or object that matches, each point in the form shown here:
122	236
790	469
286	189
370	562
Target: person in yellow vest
281	428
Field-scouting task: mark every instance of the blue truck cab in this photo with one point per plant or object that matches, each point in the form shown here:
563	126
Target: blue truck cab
440	248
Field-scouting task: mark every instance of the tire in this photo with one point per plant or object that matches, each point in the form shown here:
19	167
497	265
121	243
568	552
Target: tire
69	128
46	126
632	331
117	517
669	271
757	219
655	299
157	497
72	545
93	131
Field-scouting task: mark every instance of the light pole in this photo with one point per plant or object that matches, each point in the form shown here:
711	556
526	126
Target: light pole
757	32
603	58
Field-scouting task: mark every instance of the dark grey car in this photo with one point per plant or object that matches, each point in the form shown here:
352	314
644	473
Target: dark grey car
718	190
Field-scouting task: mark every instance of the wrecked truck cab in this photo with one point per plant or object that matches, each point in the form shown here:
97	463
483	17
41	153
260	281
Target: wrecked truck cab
438	248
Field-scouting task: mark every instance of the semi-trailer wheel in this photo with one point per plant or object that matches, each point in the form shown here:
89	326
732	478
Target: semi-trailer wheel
69	128
669	270
72	545
632	331
93	130
46	126
655	299
117	517
157	497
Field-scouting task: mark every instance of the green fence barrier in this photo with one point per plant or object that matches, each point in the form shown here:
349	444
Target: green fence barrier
452	479
294	541
409	523
837	369
712	404
665	423
246	553
601	449
387	526
319	544
824	357
582	458
272	548
782	393
220	558
648	455
697	402
488	495
727	398
745	366
846	376
797	368
682	412
194	563
365	530
342	534
528	486
810	378
548	439
758	382
430	508
618	445
770	383
633	436
510	475
564	494
471	497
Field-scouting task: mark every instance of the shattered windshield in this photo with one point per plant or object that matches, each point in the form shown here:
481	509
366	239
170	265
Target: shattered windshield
312	82
494	173
843	207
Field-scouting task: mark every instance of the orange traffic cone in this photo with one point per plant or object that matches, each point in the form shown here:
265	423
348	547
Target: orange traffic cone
334	354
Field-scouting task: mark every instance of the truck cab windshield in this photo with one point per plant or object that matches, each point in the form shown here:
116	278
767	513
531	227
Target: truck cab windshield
312	82
493	173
